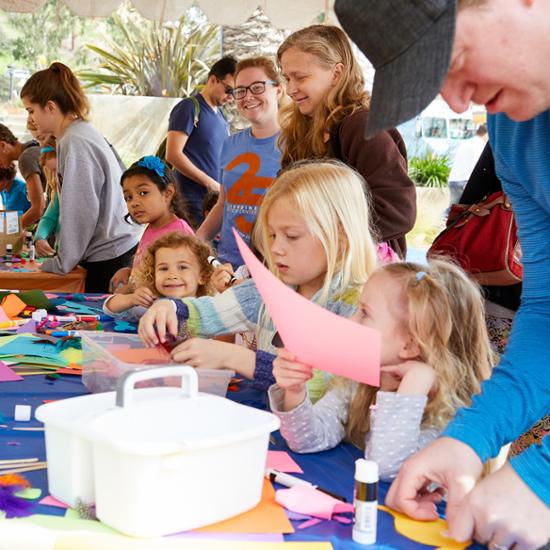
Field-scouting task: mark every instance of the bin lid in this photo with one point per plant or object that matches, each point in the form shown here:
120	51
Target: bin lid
179	423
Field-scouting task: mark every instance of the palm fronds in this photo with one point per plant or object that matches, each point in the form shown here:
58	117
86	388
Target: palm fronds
155	59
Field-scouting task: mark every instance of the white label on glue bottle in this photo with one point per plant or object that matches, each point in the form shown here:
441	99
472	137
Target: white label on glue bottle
365	501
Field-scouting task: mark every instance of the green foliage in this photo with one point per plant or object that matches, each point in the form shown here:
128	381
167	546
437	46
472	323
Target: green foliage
155	59
52	33
430	170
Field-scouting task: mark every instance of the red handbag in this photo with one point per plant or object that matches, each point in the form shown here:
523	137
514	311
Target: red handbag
482	238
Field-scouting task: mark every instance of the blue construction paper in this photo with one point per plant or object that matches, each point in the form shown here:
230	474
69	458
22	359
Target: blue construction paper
77	308
24	345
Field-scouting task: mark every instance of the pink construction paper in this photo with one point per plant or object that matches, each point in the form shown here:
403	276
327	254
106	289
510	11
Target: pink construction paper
313	334
3	316
7	375
305	499
283	462
51	501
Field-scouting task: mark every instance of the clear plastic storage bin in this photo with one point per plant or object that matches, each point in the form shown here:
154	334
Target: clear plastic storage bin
106	356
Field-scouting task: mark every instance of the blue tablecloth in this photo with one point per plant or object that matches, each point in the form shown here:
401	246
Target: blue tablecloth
332	469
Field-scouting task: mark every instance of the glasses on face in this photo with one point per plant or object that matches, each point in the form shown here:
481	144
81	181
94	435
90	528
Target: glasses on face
227	89
255	88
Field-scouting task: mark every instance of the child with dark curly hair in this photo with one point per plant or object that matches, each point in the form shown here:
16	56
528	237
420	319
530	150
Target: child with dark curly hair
174	266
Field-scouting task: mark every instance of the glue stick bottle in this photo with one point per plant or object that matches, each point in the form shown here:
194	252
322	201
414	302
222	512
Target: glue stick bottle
9	253
365	501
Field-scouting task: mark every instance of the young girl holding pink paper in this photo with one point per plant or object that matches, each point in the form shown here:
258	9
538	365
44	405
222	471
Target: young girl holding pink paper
313	231
435	353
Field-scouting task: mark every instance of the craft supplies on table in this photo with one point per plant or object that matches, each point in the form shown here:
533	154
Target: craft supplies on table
26	275
106	356
158	465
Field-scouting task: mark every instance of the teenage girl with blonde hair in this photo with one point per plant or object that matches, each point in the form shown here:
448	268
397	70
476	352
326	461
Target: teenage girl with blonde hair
313	231
49	222
435	354
327	118
93	232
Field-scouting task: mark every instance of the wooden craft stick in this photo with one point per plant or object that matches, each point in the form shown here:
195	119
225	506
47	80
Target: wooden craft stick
17	461
22	469
29	429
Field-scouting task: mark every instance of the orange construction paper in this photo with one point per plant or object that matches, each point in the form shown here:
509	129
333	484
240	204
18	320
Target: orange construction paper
13	305
141	355
75	372
267	517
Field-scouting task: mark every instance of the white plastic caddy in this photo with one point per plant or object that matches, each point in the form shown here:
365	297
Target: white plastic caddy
162	465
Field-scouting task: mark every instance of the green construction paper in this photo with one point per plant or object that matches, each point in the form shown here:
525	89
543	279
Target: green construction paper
30	493
30	361
67	523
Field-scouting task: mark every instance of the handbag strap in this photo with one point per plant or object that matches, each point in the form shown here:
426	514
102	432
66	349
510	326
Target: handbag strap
483	207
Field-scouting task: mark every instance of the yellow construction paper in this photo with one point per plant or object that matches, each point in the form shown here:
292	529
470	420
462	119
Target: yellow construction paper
72	355
105	542
424	532
30	493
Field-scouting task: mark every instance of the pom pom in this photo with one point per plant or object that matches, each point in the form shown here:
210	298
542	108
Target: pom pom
13	506
14	480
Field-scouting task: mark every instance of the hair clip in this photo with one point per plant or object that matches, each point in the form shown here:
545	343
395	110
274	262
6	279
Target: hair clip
152	163
420	275
46	149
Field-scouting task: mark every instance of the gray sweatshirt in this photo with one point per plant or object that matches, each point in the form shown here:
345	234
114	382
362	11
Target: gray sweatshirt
92	207
394	436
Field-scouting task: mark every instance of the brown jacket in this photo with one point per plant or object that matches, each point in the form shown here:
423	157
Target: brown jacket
382	161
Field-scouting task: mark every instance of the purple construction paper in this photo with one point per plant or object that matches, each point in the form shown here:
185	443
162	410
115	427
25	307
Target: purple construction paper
244	537
30	326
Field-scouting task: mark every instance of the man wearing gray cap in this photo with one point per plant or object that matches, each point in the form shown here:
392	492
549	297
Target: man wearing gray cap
495	53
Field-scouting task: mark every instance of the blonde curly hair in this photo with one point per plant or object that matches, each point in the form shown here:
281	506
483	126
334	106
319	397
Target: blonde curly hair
446	319
144	275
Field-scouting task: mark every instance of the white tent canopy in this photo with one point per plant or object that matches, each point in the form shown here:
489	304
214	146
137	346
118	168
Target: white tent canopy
284	14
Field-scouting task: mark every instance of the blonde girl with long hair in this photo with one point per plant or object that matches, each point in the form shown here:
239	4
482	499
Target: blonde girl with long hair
435	354
49	222
327	119
313	231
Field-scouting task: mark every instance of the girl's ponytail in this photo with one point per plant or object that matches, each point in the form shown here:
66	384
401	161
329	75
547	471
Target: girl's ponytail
57	83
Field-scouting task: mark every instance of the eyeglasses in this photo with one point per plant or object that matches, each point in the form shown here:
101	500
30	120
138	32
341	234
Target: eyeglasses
255	88
227	89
